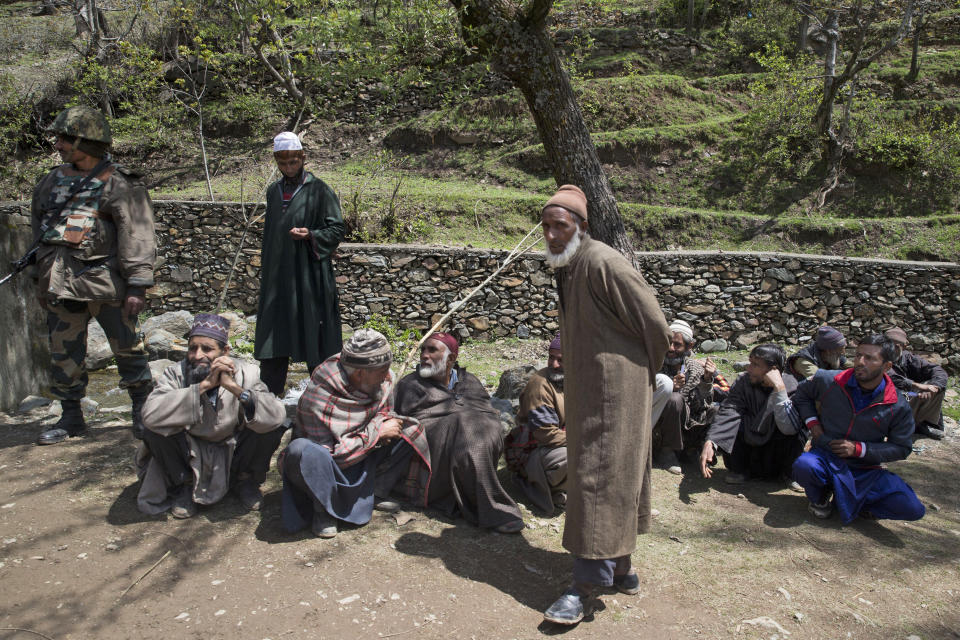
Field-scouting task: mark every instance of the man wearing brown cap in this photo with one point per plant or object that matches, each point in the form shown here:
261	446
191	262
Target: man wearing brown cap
211	424
349	448
615	337
924	384
465	437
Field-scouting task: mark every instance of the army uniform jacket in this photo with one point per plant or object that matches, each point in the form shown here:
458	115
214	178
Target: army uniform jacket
103	241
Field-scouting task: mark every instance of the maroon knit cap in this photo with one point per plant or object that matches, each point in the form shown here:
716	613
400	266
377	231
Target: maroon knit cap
571	198
448	340
210	325
898	335
555	344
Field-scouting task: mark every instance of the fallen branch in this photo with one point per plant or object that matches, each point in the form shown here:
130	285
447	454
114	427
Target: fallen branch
145	574
42	635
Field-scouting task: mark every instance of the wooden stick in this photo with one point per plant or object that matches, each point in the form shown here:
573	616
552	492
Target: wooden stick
146	573
515	253
42	635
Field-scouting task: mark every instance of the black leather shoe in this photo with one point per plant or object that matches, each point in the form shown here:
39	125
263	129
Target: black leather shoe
567	610
56	436
628	583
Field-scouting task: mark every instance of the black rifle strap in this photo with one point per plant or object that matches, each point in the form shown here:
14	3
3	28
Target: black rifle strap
77	188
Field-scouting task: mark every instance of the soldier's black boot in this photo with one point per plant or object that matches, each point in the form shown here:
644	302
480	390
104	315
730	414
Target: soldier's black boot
70	424
138	400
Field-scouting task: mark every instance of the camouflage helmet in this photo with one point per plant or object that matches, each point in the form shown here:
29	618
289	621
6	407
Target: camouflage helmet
82	122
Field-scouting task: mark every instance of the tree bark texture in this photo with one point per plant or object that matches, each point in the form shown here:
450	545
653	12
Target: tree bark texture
516	42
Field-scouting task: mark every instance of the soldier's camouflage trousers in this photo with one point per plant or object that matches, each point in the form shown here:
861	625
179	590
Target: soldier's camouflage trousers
67	324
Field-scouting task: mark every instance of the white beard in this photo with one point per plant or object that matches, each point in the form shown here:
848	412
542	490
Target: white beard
557	260
432	371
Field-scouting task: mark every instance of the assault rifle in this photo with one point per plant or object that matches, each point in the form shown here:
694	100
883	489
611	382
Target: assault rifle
31	255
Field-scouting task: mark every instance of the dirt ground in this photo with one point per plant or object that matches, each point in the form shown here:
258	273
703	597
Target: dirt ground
79	561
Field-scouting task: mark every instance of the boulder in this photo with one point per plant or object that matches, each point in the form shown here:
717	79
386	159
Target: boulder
748	339
177	323
157	367
99	353
160	343
508	414
292	398
512	382
712	346
238	326
33	402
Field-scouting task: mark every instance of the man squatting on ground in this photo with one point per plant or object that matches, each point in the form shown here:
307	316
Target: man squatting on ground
825	352
298	316
464	436
857	420
682	400
924	384
349	448
211	424
536	449
97	249
756	429
615	337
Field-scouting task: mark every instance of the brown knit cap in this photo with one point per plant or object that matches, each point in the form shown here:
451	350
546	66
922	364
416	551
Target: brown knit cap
898	335
570	198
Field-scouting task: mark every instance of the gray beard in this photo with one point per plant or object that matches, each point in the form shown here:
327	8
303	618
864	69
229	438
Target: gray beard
557	260
675	360
555	378
198	373
433	371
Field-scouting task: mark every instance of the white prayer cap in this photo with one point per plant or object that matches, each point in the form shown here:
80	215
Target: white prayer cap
684	329
286	141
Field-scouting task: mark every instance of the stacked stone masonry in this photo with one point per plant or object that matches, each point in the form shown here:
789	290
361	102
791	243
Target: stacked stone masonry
743	298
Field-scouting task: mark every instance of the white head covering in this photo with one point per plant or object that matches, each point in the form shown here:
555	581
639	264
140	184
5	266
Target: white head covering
286	141
684	329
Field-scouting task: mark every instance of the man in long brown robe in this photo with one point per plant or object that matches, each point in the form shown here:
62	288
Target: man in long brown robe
614	339
464	435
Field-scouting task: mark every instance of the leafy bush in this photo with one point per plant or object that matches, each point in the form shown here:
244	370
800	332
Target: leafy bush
401	340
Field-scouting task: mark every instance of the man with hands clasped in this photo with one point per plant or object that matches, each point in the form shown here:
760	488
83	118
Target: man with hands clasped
211	424
858	421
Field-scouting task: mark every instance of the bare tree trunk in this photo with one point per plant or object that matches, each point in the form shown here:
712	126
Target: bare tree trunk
831	29
203	149
691	11
915	56
519	48
804	28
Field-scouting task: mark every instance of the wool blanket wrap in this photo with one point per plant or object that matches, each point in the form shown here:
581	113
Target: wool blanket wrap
349	422
466	440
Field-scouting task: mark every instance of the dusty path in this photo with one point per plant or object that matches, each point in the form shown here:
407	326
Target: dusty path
73	542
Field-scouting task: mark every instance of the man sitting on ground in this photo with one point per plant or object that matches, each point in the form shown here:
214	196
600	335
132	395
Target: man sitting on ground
536	449
349	449
689	408
857	421
464	435
211	424
756	429
924	384
825	352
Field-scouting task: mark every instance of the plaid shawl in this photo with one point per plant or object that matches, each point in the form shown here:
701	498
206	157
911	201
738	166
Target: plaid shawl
349	423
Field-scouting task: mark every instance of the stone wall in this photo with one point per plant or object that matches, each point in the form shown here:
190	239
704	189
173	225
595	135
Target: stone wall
741	298
24	354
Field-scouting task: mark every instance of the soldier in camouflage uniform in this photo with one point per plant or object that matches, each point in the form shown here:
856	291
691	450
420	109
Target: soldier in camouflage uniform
95	260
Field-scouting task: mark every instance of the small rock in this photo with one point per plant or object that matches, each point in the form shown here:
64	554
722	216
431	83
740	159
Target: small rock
33	402
934	506
676	539
182	616
741	365
798	616
112	546
784	593
81	556
349	599
740	496
89	406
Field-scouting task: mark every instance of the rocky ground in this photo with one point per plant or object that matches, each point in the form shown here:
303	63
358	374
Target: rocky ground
77	560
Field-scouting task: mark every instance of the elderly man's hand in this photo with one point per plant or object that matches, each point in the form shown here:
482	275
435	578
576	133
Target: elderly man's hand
391	429
926	391
706	457
227	371
843	448
299	233
709	369
678	381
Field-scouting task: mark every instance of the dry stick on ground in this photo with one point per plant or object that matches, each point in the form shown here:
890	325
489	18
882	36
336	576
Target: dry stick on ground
145	574
515	253
42	635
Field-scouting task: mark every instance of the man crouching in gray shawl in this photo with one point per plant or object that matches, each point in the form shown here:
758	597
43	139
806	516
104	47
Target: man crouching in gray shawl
349	450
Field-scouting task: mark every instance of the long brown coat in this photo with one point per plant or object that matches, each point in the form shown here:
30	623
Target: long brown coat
614	339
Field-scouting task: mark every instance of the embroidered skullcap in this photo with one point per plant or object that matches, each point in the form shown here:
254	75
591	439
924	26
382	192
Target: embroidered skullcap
898	335
366	349
684	329
555	344
448	340
286	141
829	338
210	325
570	198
